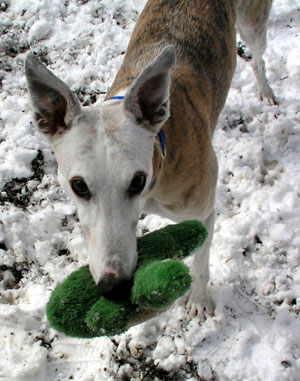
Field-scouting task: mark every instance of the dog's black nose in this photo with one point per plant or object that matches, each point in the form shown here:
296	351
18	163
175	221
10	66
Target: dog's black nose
107	284
114	288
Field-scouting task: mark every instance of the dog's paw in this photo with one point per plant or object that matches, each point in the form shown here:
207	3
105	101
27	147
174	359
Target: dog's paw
200	306
267	95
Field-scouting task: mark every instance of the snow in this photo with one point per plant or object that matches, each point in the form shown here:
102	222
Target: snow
255	272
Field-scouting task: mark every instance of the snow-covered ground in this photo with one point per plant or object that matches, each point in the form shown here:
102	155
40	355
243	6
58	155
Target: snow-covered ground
255	261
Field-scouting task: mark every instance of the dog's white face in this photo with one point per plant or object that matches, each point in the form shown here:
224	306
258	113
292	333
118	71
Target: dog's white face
105	163
104	156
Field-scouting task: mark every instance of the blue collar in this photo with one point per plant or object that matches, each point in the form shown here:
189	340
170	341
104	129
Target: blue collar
162	139
120	97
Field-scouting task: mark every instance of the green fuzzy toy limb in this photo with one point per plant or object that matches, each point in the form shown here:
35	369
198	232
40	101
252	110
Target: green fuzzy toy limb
172	241
70	302
158	284
77	309
189	236
108	317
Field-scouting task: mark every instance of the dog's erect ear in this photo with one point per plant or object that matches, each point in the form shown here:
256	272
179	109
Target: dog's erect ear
148	97
54	103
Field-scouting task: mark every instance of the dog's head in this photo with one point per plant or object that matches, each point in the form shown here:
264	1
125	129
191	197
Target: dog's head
104	155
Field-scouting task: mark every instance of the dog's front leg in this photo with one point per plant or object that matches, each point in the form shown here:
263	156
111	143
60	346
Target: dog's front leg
199	302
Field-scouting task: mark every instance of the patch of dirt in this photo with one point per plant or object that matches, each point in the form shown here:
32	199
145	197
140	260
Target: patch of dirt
11	276
87	97
241	51
236	123
18	191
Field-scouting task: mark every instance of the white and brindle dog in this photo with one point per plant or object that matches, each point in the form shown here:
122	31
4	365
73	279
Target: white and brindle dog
148	146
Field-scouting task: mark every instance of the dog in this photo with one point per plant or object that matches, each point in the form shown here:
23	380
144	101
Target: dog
147	148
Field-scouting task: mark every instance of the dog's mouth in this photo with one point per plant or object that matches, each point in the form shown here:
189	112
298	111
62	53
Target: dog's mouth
121	291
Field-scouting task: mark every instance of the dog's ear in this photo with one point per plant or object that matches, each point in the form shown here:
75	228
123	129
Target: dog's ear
54	103
148	97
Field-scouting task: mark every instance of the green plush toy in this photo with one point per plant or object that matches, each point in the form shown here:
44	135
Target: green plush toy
77	309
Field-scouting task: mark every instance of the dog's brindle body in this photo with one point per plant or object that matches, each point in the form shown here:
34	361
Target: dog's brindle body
104	152
203	35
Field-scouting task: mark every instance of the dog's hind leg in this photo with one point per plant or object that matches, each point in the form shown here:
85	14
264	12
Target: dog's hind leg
252	18
199	302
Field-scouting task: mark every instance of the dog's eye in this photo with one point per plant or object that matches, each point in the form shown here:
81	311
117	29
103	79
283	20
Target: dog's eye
80	188
137	184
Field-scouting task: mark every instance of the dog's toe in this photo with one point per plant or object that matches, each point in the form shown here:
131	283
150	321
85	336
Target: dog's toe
267	95
195	310
199	307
